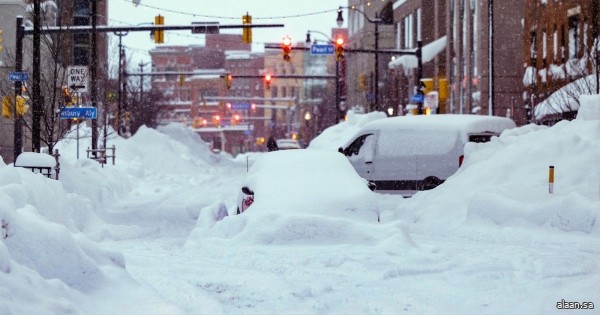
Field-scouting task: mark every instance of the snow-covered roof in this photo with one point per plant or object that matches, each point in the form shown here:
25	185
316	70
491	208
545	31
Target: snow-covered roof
465	124
429	52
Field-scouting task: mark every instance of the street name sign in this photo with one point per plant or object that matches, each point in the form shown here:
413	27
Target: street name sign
417	98
78	112
321	49
240	106
18	76
78	78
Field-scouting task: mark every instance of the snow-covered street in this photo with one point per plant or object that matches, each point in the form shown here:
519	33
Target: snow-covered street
148	236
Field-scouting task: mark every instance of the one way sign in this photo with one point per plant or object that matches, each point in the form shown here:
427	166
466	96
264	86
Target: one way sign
77	78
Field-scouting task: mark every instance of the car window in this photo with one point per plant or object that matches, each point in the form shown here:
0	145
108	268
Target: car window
365	151
355	146
480	138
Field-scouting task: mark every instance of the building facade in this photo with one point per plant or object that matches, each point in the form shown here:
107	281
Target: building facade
559	49
283	95
196	92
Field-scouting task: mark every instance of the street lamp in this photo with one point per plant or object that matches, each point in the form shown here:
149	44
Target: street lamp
377	20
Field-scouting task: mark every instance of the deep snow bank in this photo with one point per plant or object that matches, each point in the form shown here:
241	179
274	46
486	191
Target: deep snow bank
505	182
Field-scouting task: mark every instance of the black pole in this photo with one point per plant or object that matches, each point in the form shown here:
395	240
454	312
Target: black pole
119	115
338	109
376	63
141	64
419	75
491	57
37	106
94	92
18	132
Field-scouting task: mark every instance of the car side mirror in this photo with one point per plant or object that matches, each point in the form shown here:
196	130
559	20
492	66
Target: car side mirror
247	191
371	186
341	150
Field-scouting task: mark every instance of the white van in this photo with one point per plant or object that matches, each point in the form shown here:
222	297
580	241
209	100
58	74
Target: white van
410	153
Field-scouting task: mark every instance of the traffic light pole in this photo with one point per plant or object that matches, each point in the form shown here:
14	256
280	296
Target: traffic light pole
18	126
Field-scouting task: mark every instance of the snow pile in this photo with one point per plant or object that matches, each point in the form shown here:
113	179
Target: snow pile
511	176
589	107
338	135
42	249
300	196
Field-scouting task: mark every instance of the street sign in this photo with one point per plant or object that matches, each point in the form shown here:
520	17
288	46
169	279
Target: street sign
205	27
417	98
321	49
78	78
240	106
78	112
431	100
18	76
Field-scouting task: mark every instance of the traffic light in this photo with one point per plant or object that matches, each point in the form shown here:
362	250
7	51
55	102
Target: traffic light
286	46
1	40
267	81
67	96
228	80
216	119
426	85
8	105
236	119
159	35
339	49
362	81
247	31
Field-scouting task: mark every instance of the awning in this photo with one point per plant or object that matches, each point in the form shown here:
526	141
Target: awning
429	52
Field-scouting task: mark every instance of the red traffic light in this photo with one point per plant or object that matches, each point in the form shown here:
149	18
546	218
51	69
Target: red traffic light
286	45
268	81
339	41
287	41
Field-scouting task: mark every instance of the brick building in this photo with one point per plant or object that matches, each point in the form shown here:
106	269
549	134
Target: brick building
558	49
200	95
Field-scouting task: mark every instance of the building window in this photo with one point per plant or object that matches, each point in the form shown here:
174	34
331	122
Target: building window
555	44
544	48
574	38
532	49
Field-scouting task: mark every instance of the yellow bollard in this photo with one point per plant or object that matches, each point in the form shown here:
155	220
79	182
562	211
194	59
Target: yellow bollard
551	179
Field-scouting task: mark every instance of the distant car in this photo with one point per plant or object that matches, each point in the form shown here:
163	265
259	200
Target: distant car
307	182
287	144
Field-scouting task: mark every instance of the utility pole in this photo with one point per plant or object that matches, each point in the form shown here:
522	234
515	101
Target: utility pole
18	126
37	106
93	77
119	116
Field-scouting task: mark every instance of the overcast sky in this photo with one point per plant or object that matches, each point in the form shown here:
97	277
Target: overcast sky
300	19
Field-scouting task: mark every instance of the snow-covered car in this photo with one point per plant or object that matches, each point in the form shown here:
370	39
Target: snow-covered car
287	144
307	182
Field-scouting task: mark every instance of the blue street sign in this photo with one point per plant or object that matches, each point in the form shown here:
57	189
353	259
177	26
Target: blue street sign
78	112
417	98
240	106
18	76
247	132
321	49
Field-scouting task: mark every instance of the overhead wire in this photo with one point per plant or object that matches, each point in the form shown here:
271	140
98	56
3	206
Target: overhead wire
230	17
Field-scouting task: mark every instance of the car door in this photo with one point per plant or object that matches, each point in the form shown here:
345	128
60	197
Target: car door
360	154
394	164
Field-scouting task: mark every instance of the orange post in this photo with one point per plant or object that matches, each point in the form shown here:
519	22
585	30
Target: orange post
551	179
